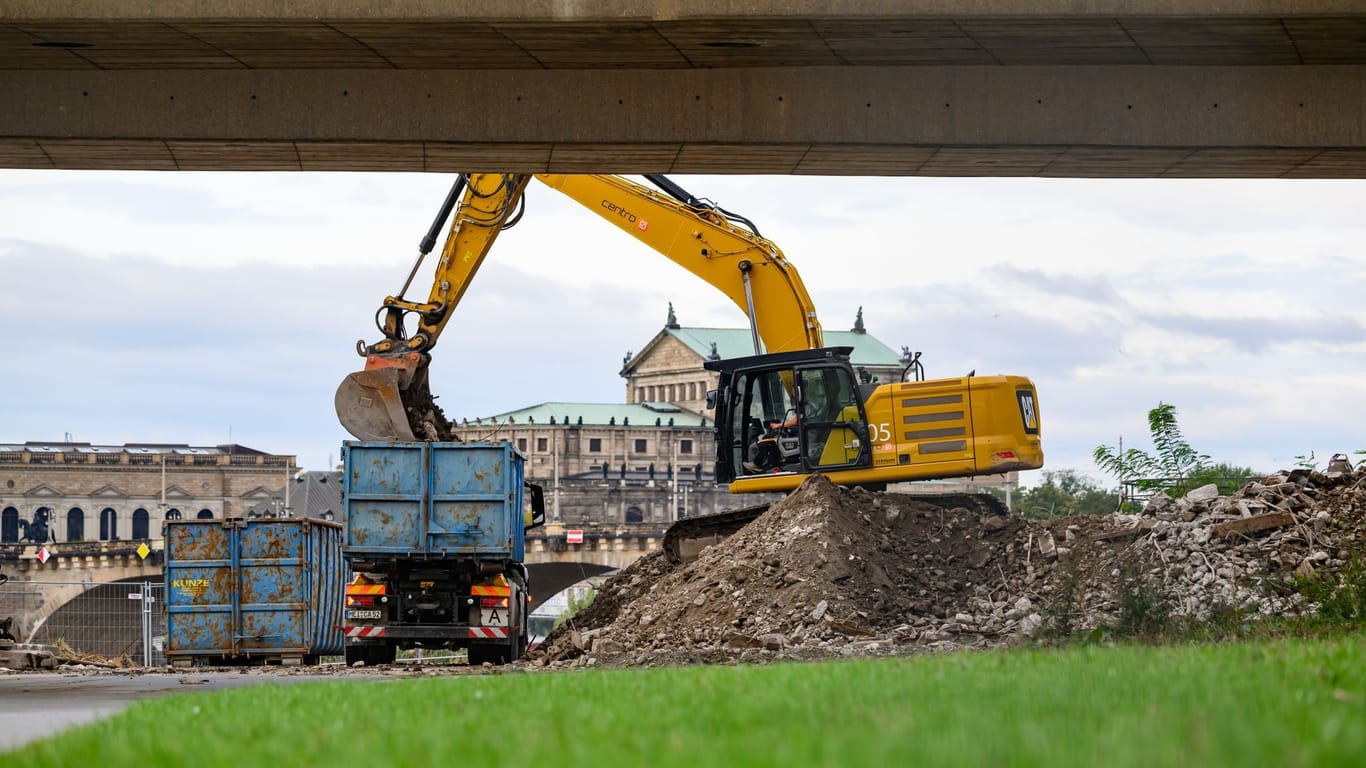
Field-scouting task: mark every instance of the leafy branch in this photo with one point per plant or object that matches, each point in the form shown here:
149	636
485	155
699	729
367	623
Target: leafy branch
1173	459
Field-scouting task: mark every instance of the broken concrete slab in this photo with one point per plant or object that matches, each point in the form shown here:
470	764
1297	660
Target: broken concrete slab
1253	524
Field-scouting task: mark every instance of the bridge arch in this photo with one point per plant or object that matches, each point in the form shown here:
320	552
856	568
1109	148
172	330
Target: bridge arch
118	631
550	579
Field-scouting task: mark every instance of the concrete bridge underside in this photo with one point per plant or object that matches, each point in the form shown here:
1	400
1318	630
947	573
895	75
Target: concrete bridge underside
1140	88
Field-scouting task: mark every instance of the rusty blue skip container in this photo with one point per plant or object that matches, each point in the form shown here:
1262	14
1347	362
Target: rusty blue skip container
253	591
434	500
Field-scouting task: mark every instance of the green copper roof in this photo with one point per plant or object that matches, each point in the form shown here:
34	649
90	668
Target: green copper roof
737	342
594	414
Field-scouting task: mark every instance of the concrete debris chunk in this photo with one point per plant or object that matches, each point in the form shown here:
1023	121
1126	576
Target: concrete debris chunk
1204	493
818	612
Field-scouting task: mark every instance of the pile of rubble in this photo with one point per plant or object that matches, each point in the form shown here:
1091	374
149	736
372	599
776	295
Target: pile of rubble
1211	553
836	571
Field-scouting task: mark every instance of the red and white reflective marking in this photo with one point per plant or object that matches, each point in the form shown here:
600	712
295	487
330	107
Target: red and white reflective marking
365	631
489	632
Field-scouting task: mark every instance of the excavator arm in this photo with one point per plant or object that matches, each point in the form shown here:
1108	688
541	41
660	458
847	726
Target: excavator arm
390	399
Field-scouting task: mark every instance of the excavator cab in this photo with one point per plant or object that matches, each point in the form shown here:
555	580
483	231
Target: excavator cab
758	398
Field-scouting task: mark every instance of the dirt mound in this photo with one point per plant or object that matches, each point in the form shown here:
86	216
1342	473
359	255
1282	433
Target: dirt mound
824	567
838	571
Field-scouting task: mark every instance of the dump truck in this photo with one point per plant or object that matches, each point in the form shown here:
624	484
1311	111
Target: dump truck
435	539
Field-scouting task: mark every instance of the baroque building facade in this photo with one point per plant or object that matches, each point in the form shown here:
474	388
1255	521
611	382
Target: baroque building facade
72	492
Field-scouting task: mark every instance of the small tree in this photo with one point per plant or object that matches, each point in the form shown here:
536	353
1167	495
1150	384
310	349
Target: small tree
1065	493
1173	462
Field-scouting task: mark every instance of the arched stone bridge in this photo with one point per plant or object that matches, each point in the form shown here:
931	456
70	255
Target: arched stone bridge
69	571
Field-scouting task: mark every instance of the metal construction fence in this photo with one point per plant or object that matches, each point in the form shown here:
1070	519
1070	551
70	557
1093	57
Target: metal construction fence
120	622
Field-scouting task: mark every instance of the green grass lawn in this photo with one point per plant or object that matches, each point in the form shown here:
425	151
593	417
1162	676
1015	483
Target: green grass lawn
1282	703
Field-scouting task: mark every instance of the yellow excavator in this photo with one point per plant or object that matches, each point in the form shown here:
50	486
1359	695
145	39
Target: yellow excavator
792	409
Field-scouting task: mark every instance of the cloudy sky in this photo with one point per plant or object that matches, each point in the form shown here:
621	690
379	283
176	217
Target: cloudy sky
202	308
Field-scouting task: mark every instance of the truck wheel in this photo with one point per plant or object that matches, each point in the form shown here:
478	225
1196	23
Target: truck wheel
355	653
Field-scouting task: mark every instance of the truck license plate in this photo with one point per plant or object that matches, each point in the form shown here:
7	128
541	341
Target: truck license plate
371	614
493	617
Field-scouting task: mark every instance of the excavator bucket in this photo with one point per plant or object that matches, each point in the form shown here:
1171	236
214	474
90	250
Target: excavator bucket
370	407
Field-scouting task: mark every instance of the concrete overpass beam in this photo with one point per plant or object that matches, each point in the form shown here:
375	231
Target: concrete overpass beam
943	120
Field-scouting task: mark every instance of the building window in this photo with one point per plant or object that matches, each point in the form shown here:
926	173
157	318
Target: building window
109	528
640	446
140	524
541	444
75	524
172	514
634	515
205	514
595	445
9	525
521	444
685	446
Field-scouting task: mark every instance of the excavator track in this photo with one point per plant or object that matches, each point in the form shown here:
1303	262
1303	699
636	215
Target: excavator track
687	538
983	504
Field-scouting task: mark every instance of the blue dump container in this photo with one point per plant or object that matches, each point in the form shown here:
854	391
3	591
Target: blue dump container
456	500
253	590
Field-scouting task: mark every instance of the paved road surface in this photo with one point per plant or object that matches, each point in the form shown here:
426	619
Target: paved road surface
37	705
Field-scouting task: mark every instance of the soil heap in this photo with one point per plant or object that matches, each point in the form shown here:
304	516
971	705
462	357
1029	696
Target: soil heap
838	571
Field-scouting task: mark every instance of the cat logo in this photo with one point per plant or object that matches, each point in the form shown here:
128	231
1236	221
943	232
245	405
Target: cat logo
1028	411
